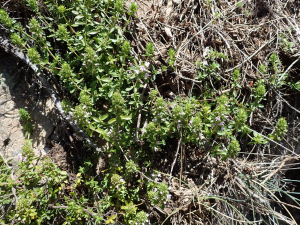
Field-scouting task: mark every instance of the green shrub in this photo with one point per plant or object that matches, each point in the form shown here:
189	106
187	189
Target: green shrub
94	63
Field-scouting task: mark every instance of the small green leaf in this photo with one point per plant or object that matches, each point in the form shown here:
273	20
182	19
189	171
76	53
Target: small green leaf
79	17
129	88
106	137
126	117
103	117
90	132
110	92
114	217
76	24
111	219
100	119
96	119
106	79
63	173
100	131
112	121
92	32
78	81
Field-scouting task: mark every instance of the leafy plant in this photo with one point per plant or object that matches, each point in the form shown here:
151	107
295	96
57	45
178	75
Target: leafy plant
258	139
286	45
172	59
27	122
280	130
83	43
236	78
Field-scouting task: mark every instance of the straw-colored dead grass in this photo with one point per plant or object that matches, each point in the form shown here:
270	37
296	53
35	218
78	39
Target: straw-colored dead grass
242	190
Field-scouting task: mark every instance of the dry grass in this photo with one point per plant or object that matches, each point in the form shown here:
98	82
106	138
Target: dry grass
248	32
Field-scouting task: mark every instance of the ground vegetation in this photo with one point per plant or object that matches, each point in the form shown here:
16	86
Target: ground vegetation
186	111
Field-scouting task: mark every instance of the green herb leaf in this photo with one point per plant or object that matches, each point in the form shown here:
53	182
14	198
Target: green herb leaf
126	117
91	32
112	121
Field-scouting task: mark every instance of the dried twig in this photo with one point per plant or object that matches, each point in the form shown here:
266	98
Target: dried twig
275	171
136	137
175	158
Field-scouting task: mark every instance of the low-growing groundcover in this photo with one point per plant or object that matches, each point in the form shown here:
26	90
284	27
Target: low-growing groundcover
194	140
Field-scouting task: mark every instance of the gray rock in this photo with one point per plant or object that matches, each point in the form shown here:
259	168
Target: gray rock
16	93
